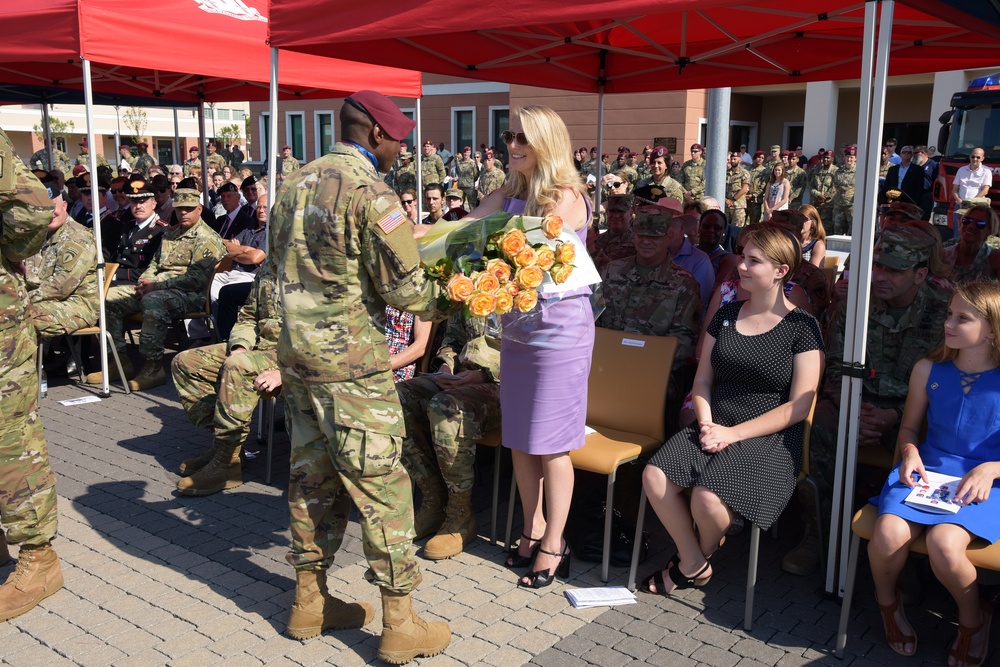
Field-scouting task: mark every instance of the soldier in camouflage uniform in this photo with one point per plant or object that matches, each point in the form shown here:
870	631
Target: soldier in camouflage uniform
455	413
843	197
62	278
216	160
406	175
737	186
431	167
289	164
219	386
693	175
798	181
466	173
344	248
642	166
61	161
144	161
193	161
490	178
773	158
905	323
821	186
27	485
659	184
622	164
616	243
125	160
758	186
174	284
84	157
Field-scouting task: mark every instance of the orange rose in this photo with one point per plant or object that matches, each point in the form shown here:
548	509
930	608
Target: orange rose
546	257
513	242
460	287
512	288
552	226
481	304
529	277
560	273
526	300
505	302
527	257
565	253
500	269
486	282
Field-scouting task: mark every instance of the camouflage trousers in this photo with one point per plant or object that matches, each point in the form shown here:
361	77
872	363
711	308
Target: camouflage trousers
826	215
334	466
57	318
843	219
456	419
159	309
217	390
737	216
754	211
27	485
471	197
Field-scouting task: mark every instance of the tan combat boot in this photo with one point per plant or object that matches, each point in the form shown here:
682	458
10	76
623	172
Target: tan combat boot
315	610
192	465
458	529
805	557
430	515
36	577
222	472
4	553
98	378
405	635
151	375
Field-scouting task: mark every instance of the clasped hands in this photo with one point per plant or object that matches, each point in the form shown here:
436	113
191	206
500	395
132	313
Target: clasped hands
714	437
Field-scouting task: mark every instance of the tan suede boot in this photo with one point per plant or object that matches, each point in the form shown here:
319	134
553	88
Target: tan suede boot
222	472
405	635
151	375
315	610
36	577
458	529
97	378
430	515
4	552
192	465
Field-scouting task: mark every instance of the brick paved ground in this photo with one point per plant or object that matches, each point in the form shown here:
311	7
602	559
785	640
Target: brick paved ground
154	579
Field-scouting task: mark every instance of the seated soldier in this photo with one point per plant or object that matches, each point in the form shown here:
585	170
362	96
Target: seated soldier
219	384
173	284
457	409
616	243
62	278
141	233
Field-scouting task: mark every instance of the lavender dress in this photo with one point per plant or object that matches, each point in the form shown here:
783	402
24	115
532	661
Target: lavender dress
543	392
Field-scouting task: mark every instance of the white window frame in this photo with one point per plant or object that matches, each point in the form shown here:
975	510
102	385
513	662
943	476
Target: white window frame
262	129
288	133
752	140
491	130
455	148
316	129
785	133
412	111
702	137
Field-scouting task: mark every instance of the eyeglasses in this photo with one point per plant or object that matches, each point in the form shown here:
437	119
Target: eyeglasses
116	191
980	224
407	202
905	152
508	138
975	157
617	184
176	173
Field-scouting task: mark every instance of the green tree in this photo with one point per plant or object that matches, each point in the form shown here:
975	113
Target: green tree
228	134
57	128
136	121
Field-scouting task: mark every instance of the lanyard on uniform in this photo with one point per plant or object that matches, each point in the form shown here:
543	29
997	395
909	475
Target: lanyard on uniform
367	153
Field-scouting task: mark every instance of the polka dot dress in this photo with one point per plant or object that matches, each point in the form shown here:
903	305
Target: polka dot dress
753	375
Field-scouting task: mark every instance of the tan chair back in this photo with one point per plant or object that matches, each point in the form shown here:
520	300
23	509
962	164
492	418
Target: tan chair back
110	269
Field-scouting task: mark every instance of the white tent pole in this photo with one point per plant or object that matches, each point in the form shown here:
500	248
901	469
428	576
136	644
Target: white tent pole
177	139
47	133
272	137
203	151
418	153
88	92
717	151
600	150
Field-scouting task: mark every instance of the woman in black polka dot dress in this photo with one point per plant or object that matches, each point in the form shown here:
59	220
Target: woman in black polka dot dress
759	370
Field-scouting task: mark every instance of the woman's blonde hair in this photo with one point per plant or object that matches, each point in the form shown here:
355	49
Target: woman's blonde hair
991	216
554	168
818	230
779	246
984	297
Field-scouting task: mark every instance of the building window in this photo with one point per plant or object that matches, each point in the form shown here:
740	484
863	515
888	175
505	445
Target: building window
223	114
239	114
265	136
165	151
324	132
499	123
411	137
295	131
463	128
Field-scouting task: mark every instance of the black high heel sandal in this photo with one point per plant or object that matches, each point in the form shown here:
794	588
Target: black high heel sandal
516	560
542	578
681	580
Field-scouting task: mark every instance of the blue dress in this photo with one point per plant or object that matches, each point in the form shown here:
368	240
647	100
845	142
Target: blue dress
963	431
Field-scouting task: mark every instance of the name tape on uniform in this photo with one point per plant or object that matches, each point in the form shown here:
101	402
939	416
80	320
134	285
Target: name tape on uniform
633	342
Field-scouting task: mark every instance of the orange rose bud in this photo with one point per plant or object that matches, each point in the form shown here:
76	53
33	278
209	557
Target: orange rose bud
505	302
512	288
526	257
481	304
546	257
565	253
526	300
500	269
552	226
513	242
560	273
460	287
529	277
486	282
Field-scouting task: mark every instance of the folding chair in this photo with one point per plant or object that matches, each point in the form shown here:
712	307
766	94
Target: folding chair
265	414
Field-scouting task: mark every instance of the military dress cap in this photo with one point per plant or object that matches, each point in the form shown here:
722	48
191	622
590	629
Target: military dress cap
384	112
249	181
103	184
138	188
850	150
82	181
454	192
620	203
775	147
40	174
821	152
652	220
227	187
903	209
190	183
160	182
186	197
51	186
901	247
79	169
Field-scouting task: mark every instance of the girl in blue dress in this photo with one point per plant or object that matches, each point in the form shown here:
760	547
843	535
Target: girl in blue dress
958	389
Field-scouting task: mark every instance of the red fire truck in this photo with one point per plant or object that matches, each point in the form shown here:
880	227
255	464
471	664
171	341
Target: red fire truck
972	122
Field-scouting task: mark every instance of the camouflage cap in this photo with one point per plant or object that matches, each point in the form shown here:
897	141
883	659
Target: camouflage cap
902	247
620	203
652	220
969	203
454	192
406	155
186	197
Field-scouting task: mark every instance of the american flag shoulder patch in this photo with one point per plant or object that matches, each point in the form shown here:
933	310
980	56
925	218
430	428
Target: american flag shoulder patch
388	222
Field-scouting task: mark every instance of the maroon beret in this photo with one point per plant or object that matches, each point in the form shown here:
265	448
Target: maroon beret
384	112
759	153
850	150
696	147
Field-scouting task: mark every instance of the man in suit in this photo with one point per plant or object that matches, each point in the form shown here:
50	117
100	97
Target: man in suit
907	177
235	218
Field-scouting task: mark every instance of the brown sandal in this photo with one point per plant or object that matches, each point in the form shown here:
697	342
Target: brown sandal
960	651
892	633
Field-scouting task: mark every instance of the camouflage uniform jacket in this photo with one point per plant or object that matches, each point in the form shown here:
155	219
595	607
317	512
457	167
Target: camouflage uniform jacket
65	267
883	169
84	159
490	181
799	181
610	247
467	171
186	258
432	169
821	187
843	182
288	165
662	302
468	345
642	171
893	347
189	164
259	322
758	183
693	177
735	180
216	161
337	268
143	163
669	186
406	179
27	211
60	161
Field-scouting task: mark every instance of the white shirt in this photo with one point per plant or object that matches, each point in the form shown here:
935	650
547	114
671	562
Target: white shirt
148	221
970	182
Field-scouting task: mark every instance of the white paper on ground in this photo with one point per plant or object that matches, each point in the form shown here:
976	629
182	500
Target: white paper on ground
81	400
